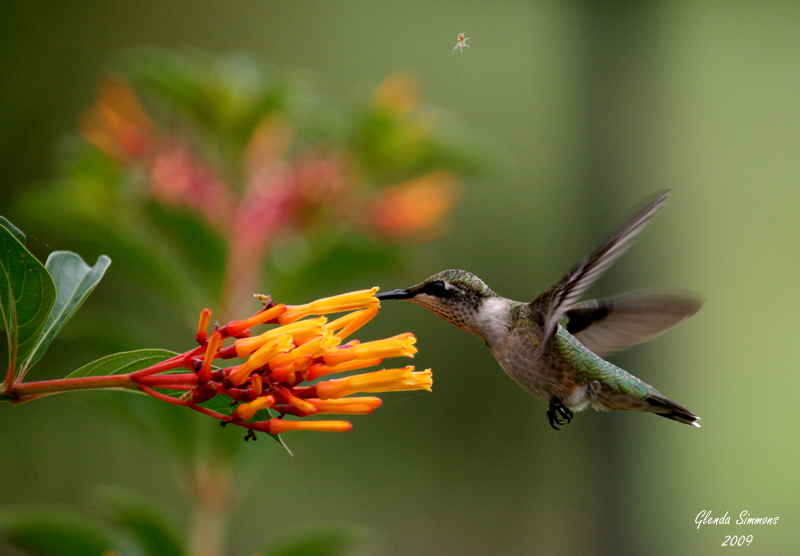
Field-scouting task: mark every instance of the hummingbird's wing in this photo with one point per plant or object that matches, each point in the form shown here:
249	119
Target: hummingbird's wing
607	326
569	289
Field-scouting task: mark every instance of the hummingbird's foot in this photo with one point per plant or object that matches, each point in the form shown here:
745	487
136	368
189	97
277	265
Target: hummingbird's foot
558	414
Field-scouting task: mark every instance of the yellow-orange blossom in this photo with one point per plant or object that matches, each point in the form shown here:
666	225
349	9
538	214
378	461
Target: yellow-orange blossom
282	361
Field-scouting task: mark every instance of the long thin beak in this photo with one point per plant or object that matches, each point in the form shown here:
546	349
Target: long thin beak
396	294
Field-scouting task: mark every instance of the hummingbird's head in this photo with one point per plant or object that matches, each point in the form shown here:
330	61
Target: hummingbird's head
455	295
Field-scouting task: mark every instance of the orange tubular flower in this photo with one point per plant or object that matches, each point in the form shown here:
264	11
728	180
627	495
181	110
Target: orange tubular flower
316	371
298	331
401	345
260	358
278	426
246	411
204	374
362	299
286	373
256	384
348	324
364	405
388	380
202	326
317	346
237	327
280	363
303	405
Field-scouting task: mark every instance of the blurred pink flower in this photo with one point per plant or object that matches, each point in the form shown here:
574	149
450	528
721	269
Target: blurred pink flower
177	178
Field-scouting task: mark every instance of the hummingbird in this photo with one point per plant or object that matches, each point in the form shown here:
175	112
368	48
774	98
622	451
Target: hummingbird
554	347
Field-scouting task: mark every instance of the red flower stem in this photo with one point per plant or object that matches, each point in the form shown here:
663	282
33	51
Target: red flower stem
186	403
27	399
44	387
183	387
243	424
184	379
168	365
224	418
182	360
208	412
8	383
163	397
28	391
227	352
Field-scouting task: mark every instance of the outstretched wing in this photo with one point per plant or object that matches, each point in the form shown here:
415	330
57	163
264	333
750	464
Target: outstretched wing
570	288
607	326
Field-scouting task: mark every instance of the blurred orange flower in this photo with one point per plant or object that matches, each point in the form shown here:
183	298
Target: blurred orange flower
414	209
397	95
118	125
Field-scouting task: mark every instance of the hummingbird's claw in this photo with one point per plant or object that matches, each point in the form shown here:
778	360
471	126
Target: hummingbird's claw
558	414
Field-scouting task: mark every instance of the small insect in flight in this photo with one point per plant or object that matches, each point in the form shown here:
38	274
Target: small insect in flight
462	42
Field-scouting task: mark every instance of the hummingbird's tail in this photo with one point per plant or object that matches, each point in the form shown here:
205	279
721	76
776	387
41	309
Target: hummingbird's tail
669	409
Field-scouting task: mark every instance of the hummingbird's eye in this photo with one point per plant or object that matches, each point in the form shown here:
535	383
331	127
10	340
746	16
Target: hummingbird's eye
439	289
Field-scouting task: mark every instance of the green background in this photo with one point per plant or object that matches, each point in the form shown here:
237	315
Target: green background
586	108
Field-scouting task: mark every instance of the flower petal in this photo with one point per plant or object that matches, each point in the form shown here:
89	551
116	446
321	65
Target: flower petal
278	426
387	380
361	299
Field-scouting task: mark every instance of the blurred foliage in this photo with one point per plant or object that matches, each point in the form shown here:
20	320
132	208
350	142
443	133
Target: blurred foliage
592	105
48	532
196	174
207	179
126	524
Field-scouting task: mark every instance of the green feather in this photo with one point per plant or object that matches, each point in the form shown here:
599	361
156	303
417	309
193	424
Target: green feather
590	367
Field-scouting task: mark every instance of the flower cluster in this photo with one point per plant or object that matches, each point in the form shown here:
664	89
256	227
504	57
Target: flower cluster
262	179
280	365
278	191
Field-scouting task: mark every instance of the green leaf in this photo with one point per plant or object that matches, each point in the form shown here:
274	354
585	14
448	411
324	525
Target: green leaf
4	222
27	294
265	415
74	281
148	527
279	439
48	533
321	540
123	363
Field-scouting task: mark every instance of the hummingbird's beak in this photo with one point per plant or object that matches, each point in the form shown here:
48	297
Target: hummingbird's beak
396	294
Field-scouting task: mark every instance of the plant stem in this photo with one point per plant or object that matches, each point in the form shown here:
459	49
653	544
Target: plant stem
44	387
168	365
183	379
163	397
212	493
8	383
